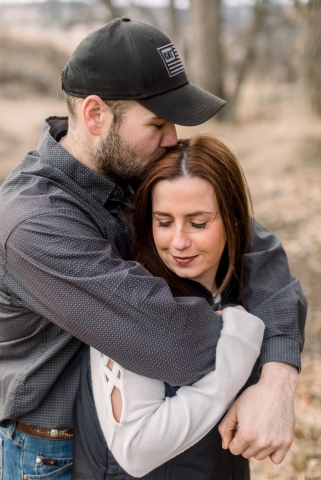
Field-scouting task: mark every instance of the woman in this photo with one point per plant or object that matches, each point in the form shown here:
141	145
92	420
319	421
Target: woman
192	227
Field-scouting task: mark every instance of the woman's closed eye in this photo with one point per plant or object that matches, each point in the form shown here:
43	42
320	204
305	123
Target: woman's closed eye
164	224
189	226
198	225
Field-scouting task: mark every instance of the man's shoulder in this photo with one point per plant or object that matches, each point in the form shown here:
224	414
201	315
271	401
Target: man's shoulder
29	191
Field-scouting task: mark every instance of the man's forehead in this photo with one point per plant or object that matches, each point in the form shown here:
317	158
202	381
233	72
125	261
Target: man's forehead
142	111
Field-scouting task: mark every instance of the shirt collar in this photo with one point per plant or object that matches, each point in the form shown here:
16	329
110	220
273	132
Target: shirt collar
52	152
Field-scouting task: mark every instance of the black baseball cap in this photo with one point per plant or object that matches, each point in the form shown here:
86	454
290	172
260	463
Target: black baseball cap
127	60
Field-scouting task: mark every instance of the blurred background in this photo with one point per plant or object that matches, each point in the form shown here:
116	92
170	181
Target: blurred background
264	58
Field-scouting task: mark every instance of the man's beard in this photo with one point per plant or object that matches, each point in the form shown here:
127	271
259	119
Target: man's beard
116	160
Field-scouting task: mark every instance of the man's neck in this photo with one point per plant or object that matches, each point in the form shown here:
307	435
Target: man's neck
78	150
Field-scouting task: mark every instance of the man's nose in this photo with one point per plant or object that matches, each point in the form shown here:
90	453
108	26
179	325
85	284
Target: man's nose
169	137
181	240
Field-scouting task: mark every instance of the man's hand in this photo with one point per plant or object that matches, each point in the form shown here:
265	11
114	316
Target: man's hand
260	423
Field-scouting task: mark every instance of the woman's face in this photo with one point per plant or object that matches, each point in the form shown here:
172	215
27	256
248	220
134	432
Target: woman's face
188	230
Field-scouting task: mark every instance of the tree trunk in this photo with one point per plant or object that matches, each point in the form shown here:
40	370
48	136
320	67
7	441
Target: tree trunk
174	33
312	54
205	48
257	26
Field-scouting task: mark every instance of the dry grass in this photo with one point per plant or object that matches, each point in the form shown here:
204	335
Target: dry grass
28	67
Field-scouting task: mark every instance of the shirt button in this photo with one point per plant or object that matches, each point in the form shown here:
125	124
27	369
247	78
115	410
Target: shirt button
38	460
25	476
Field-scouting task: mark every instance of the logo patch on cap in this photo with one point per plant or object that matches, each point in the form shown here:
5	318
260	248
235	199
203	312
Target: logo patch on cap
171	59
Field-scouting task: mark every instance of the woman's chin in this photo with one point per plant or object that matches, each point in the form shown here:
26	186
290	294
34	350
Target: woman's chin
184	272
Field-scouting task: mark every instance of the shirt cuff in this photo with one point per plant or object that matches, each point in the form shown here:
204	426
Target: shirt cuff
280	349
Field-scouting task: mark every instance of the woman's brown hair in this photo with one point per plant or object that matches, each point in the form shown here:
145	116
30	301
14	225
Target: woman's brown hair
205	157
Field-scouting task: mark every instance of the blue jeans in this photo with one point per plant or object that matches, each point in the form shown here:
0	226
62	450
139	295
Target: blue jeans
23	457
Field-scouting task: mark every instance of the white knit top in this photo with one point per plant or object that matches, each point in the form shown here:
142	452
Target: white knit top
142	440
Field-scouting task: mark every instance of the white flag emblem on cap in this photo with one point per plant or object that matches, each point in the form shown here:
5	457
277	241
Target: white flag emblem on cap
171	59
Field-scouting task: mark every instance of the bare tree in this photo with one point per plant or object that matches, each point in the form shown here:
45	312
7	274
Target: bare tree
207	50
174	32
256	27
312	53
205	47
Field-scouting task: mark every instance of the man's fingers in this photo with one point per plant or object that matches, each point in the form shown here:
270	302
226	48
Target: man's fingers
258	448
227	437
277	457
244	447
257	452
239	444
250	444
227	427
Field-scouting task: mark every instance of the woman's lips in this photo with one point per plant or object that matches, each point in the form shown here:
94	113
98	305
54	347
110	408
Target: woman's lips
184	260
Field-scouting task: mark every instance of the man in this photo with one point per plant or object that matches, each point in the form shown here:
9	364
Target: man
65	279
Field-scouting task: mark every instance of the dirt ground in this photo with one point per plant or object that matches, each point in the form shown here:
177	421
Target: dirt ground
278	142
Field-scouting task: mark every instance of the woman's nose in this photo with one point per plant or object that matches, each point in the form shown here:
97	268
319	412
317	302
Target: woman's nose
180	240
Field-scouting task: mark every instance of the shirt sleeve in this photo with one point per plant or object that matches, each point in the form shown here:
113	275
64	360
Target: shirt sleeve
154	429
272	293
61	267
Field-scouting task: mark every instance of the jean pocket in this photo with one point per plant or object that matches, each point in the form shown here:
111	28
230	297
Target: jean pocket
55	468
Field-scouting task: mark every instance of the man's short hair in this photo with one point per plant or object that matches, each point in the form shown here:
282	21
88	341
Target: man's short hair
119	108
71	103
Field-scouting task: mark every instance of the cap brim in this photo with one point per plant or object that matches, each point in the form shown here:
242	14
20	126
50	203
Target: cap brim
187	105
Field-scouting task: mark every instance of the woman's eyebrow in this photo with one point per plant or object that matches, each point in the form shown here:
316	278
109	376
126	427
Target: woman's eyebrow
192	214
200	212
164	214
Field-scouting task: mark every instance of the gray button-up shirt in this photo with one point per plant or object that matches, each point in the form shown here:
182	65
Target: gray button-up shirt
64	281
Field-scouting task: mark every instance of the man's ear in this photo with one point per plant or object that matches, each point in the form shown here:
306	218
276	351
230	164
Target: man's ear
97	116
